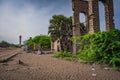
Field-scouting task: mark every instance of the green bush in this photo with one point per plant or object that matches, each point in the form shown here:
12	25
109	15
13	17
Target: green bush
62	54
102	47
115	62
40	40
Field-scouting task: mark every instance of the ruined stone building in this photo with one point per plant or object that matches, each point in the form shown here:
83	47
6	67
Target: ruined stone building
91	10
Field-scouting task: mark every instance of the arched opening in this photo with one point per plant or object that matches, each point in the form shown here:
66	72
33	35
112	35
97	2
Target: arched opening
102	16
82	19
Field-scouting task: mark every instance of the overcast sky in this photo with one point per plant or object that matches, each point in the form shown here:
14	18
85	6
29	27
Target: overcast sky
31	17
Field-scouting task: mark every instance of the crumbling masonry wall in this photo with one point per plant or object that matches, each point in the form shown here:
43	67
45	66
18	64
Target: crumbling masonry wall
91	10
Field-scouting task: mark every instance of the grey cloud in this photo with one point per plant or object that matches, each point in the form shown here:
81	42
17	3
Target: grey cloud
27	21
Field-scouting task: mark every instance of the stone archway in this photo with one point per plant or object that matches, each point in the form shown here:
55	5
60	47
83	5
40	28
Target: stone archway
91	9
79	6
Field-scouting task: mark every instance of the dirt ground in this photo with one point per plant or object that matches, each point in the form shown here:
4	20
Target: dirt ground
45	67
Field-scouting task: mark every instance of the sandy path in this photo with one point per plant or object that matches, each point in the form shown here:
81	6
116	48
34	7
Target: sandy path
45	67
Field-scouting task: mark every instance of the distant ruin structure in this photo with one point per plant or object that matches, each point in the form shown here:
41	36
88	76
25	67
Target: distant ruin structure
91	10
20	40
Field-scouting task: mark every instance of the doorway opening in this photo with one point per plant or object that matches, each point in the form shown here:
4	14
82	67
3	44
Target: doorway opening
82	20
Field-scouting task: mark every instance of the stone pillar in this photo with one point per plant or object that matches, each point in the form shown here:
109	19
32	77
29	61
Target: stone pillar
76	30
87	22
76	23
52	46
109	13
20	40
93	16
78	6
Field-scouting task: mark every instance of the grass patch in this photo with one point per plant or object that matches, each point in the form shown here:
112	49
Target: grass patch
62	54
65	55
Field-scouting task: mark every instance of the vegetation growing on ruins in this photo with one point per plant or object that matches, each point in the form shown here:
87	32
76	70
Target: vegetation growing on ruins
102	47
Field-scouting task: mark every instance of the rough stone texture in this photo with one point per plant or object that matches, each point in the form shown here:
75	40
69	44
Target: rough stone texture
91	10
93	16
55	46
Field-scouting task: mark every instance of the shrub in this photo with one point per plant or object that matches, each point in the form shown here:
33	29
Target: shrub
7	44
42	41
62	54
102	47
4	44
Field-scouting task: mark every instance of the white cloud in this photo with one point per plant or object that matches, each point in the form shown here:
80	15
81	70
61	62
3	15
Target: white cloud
26	21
